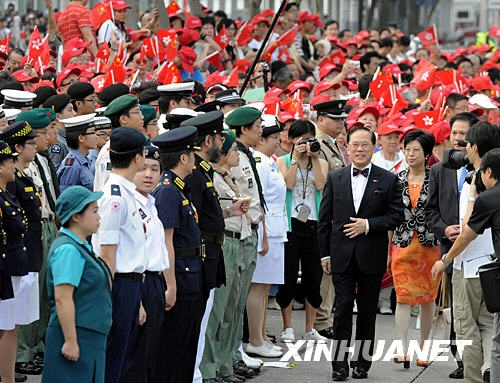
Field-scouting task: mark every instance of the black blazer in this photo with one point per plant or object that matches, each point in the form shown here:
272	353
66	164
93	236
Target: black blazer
381	204
442	206
414	218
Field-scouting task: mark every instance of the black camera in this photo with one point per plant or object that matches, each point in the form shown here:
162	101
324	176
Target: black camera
314	145
455	159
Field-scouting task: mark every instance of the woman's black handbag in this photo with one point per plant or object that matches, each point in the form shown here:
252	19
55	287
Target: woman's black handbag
489	275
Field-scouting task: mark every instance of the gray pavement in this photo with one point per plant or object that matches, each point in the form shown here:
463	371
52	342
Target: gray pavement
387	372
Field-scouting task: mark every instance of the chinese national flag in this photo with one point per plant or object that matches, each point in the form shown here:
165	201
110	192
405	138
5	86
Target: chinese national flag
169	74
269	52
231	80
495	32
100	13
447	77
34	46
222	38
293	105
428	36
169	39
288	38
284	56
173	9
424	75
244	35
392	98
4	45
154	48
380	85
116	72
426	120
213	79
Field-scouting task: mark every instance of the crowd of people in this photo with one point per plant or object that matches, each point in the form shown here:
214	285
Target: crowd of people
156	185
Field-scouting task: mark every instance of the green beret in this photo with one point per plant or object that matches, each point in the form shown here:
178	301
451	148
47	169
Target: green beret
148	112
228	138
121	105
38	118
244	115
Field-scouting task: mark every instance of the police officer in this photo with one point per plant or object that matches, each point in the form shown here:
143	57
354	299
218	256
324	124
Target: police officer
15	258
120	241
80	137
330	123
83	97
122	111
21	139
185	289
144	366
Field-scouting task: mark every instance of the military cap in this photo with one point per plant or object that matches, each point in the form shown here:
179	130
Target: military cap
148	112
102	123
10	85
244	115
177	116
207	107
73	200
2	112
57	103
124	140
228	138
175	140
100	111
5	151
11	114
18	132
17	98
229	97
121	105
183	89
208	123
80	90
42	94
78	123
148	95
270	124
152	152
38	118
332	109
112	92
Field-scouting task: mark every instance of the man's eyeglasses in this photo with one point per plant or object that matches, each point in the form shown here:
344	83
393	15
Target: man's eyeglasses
102	134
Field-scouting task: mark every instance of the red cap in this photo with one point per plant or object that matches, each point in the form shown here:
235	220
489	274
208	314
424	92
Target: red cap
65	73
188	57
299	84
319	99
22	76
484	48
193	22
267	13
317	20
388	127
323	86
362	35
187	36
304	16
333	39
441	131
326	69
74	47
118	5
274	92
285	117
352	124
42	83
260	19
481	83
49	68
408	129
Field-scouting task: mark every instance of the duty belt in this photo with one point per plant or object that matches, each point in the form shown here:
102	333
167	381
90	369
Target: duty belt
187	252
212	237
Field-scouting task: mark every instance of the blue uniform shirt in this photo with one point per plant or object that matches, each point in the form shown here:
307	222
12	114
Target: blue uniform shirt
92	157
75	170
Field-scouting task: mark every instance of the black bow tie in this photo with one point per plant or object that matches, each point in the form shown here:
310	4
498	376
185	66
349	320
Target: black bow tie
356	172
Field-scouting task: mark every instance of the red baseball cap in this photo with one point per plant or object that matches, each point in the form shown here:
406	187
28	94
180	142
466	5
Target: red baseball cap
42	83
481	83
193	22
326	69
260	19
388	127
316	19
441	131
362	35
285	117
118	5
318	100
267	13
299	84
65	73
323	86
22	76
188	57
187	36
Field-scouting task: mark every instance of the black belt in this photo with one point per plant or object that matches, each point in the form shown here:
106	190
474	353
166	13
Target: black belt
254	226
232	234
187	252
147	272
211	237
138	277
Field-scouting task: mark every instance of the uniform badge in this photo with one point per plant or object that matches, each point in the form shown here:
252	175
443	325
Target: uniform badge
185	202
166	181
55	149
250	183
210	184
115	206
69	161
115	190
108	166
257	159
141	212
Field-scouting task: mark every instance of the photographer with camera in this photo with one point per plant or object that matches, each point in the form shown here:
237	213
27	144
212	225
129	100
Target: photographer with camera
472	319
305	176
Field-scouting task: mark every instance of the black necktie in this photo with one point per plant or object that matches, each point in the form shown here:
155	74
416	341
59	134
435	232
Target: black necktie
356	172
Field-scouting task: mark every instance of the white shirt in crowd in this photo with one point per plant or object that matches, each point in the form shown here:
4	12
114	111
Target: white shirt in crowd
394	166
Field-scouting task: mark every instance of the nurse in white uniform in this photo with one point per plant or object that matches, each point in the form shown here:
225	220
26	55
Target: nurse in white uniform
272	237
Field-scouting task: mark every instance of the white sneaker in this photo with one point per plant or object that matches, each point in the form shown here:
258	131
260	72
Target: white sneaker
277	348
273	304
314	335
251	362
288	334
385	309
265	350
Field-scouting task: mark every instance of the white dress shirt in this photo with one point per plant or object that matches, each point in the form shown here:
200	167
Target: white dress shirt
102	168
358	184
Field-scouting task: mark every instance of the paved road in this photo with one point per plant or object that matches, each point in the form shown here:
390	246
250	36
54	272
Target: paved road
386	372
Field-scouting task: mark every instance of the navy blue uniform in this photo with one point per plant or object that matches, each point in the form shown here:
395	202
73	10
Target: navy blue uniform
75	170
182	322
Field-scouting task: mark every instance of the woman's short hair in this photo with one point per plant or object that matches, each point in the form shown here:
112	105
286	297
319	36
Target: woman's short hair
426	140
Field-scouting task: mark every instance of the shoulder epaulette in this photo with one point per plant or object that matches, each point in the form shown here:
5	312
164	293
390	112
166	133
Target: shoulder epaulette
180	183
257	159
205	166
115	190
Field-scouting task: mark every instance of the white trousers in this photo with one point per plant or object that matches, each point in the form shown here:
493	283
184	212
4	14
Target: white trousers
197	378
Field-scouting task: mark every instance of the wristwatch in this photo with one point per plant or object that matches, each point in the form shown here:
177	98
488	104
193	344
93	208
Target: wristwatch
229	212
443	259
293	162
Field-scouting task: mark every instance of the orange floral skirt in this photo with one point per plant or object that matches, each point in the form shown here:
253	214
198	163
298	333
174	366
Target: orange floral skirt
411	271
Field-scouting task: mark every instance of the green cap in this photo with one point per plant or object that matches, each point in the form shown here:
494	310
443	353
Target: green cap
148	112
244	115
228	138
73	200
38	118
121	105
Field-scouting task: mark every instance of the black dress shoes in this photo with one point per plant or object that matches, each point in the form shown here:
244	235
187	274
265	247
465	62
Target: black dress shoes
240	368
457	374
340	375
233	379
28	368
327	332
359	373
38	359
18	378
486	376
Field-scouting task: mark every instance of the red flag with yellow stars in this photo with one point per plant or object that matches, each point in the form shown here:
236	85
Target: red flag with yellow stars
293	105
173	9
100	13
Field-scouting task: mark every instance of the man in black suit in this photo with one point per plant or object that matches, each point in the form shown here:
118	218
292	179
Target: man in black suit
360	204
441	210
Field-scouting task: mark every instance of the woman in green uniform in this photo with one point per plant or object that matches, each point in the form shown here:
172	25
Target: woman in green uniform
80	295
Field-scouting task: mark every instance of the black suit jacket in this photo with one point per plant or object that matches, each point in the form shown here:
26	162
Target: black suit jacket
442	205
382	205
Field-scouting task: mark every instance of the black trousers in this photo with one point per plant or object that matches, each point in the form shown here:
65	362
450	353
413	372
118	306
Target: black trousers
367	299
146	351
